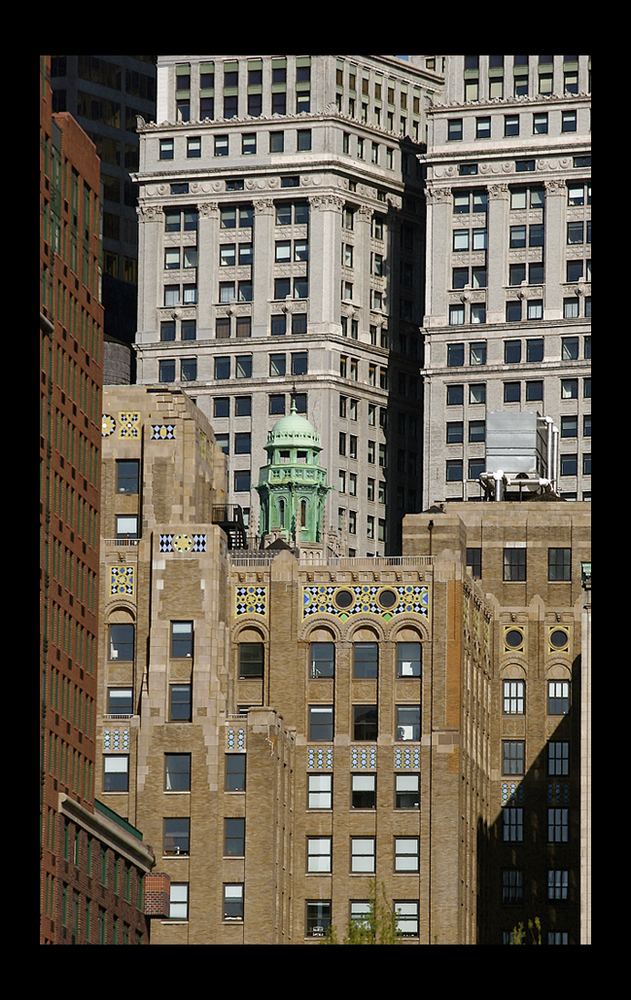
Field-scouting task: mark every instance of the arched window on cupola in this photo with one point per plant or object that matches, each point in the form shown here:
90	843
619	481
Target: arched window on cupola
303	513
281	513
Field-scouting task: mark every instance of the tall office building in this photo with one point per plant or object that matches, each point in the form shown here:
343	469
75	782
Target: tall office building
105	94
281	245
292	730
508	305
92	861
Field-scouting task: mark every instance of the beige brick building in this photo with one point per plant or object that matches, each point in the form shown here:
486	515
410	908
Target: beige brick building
288	730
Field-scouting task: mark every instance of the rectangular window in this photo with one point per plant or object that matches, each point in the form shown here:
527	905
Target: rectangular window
569	388
120	701
234	776
483	128
406	917
320	791
233	901
234	837
319	854
569	465
115	772
181	639
121	642
406	791
406	854
512	886
318	918
322	659
365	659
244	366
558	697
363	854
474	562
455	395
180	702
511	125
176	835
251	659
512	352
365	722
166	371
177	772
558	884
178	901
513	693
363	791
534	349
540	124
513	756
321	723
408	659
512	824
166	149
558	826
408	722
559	564
568	121
515	564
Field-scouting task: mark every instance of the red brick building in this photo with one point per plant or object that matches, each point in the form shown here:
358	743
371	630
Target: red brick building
92	861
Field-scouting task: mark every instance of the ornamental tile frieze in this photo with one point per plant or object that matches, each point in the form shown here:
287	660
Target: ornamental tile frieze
251	600
122	581
183	543
384	601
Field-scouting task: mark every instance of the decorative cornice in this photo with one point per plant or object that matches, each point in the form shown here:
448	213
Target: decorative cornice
434	195
327	201
149	213
208	209
498	191
555	186
263	206
507	101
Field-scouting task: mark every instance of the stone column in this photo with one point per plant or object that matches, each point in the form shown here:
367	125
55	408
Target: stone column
439	230
262	290
325	238
207	268
554	248
497	252
150	240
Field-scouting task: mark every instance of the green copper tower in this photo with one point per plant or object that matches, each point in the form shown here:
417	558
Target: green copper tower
292	486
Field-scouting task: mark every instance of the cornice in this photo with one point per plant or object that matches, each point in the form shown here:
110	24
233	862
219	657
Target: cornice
507	102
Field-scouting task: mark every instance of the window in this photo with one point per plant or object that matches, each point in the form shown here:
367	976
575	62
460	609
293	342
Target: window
559	564
248	144
120	701
512	886
233	901
406	791
244	366
127	526
178	901
511	125
166	149
180	702
483	128
408	659
408	722
406	854
365	722
455	432
512	352
234	838
194	147
513	753
363	791
321	723
569	349
115	772
299	363
251	659
322	659
176	835
453	470
587	388
587	425
318	917
558	826
234	776
477	392
188	369
181	639
167	330
558	758
515	564
512	824
121	642
406	917
319	854
568	121
513	697
277	364
569	465
166	371
177	772
276	404
512	392
474	562
524	166
534	350
455	394
558	697
513	311
540	124
456	315
320	791
558	884
569	388
455	355
363	854
304	139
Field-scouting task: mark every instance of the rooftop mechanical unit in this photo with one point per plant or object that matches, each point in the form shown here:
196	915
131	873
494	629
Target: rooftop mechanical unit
522	454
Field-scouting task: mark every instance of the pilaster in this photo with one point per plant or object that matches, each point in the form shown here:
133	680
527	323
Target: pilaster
208	267
325	237
263	255
439	231
496	254
556	193
151	219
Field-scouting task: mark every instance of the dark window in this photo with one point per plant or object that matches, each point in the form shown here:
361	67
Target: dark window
318	918
251	659
512	824
120	701
558	826
515	564
558	697
559	564
512	352
177	772
167	330
181	639
221	406
127	475
455	395
512	886
513	756
558	758
233	901
474	562
322	659
365	722
455	432
321	723
243	406
115	773
365	659
180	703
406	791
121	642
454	128
408	722
235	772
512	392
234	838
363	791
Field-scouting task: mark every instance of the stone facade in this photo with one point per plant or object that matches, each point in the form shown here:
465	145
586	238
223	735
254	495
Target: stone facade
281	227
508	302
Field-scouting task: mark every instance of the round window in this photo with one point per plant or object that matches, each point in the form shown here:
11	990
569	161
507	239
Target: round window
514	638
558	638
344	598
387	598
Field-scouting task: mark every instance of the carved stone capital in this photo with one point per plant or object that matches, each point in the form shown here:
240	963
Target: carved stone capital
435	195
555	186
264	206
207	209
365	211
150	213
498	191
327	201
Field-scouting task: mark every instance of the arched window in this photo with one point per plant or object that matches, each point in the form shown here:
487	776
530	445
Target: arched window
303	512
281	513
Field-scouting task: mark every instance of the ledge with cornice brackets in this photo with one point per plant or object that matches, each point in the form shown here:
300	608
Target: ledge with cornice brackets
521	99
327	201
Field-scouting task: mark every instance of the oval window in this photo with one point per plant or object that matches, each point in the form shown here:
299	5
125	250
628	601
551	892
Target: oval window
558	638
387	598
344	598
514	638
